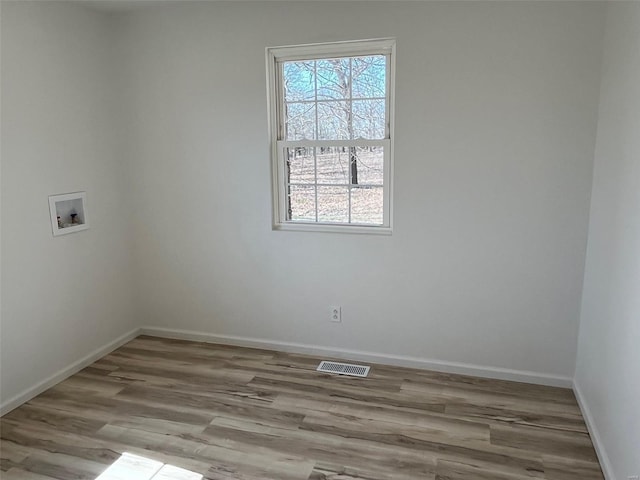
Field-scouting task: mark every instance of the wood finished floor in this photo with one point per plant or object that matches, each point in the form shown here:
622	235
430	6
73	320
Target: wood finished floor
247	414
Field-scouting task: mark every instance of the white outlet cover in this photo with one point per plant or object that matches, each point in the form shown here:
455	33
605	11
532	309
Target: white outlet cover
335	314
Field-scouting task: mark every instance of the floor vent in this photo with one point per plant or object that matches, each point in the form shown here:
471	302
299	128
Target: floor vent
343	369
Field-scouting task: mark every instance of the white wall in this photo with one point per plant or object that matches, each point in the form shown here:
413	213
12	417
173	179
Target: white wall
495	120
62	297
608	367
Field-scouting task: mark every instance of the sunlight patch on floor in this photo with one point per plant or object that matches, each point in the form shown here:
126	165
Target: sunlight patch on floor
135	467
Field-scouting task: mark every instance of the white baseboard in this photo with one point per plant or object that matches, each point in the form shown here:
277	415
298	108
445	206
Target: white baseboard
359	355
66	372
388	359
605	463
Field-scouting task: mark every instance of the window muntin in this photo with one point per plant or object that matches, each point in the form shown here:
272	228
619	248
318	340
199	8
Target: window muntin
332	158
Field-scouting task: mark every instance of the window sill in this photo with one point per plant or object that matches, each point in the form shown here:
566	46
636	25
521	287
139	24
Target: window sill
331	228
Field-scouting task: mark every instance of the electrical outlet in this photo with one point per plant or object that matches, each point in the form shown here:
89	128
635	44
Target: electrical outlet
335	314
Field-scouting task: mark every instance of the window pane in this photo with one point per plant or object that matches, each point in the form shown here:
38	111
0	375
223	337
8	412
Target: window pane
370	165
333	165
300	165
333	121
369	119
369	76
333	204
324	102
299	81
302	203
300	121
367	205
334	78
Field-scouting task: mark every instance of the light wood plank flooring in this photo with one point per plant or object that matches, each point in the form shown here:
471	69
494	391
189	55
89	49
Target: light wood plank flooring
246	414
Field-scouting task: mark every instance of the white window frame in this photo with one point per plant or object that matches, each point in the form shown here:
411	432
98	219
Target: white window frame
274	57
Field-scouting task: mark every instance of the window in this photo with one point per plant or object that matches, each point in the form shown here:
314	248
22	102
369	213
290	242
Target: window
331	110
